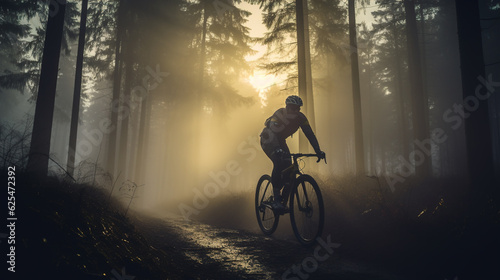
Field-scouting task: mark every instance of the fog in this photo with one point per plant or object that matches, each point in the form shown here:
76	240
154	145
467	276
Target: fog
172	110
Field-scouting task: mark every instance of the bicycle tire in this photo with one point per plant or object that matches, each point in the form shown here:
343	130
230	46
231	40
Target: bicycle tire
307	216
266	217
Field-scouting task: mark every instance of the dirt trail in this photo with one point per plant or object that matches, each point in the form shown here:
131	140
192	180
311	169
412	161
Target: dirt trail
209	252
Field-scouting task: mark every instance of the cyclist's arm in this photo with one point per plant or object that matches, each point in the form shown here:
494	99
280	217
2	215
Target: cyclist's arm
311	137
306	128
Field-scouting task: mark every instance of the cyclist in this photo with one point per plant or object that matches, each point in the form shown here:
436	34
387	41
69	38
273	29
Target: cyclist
282	124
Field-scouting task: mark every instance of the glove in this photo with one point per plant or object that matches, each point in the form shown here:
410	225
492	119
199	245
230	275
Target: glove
321	155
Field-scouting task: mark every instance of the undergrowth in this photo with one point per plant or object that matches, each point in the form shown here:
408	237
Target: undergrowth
75	231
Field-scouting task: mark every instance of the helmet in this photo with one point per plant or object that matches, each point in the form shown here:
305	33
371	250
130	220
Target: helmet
294	100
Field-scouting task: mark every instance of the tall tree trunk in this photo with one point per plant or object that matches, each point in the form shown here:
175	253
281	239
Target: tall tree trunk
477	125
129	45
309	83
141	151
77	89
117	82
371	115
421	158
402	112
38	160
423	63
126	102
143	140
356	92
304	67
198	101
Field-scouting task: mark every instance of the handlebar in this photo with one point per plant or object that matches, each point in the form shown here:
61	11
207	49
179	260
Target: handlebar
298	155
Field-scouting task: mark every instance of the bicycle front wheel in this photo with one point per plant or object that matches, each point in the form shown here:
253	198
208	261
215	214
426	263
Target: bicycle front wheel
267	219
307	211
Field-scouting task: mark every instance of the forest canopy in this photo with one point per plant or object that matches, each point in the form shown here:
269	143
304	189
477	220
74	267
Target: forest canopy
164	92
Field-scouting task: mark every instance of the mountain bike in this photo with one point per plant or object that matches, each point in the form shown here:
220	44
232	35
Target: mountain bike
305	203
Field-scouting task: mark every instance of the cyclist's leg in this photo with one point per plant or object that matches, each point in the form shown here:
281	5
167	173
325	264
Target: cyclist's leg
276	177
286	162
281	161
278	152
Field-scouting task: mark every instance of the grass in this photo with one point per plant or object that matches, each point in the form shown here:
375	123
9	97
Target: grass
73	231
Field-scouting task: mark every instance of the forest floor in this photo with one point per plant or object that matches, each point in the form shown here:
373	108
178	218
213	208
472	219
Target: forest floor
71	231
224	253
418	230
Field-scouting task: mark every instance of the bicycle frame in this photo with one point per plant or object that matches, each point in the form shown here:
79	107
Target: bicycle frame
294	174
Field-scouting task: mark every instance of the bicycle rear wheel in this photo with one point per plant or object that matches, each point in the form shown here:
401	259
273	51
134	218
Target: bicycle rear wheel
307	211
267	219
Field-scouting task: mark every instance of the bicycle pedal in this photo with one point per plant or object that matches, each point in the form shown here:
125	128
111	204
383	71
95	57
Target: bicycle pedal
265	205
282	211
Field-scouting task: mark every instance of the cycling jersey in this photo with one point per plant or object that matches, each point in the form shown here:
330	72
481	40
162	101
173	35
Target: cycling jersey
282	124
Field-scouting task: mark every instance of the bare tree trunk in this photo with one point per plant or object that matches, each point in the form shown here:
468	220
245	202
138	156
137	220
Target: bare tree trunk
77	90
124	127
356	92
117	81
371	140
403	120
304	68
477	125
199	99
423	61
141	151
422	162
309	83
38	161
142	141
130	43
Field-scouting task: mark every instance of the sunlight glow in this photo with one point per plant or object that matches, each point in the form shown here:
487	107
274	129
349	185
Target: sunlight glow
262	81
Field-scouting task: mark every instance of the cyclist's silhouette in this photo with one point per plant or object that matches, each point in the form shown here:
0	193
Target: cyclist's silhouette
282	124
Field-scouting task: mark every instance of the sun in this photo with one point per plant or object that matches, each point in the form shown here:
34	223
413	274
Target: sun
260	81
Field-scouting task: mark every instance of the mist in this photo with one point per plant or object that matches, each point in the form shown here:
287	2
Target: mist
185	107
173	95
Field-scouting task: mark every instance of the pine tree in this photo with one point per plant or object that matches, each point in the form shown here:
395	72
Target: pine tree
356	91
77	89
40	142
477	125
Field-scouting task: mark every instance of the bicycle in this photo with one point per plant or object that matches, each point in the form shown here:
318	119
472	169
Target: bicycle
306	207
